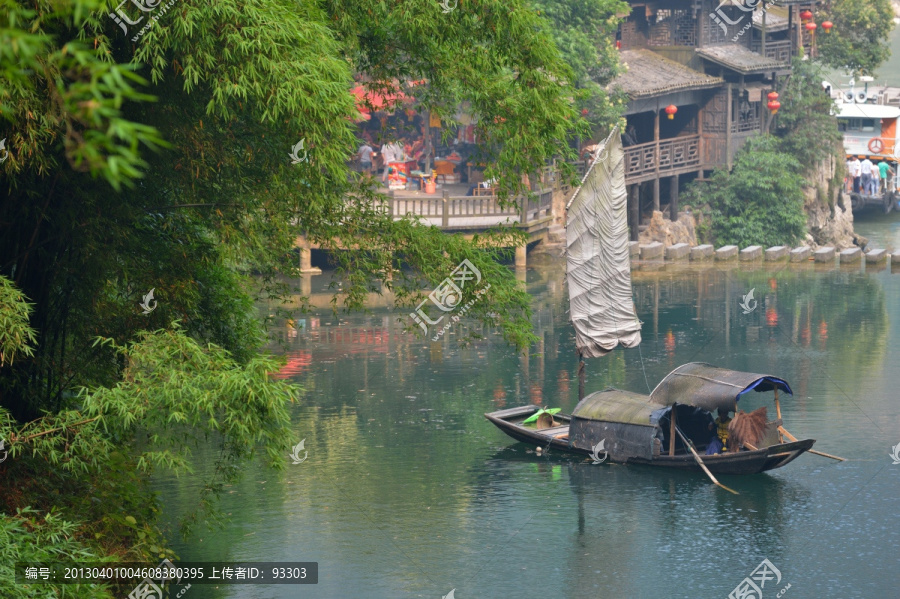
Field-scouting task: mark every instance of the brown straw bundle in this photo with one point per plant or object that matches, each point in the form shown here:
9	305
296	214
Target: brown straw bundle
746	428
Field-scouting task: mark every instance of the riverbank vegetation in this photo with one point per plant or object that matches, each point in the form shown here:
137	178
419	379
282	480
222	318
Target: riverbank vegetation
760	201
155	157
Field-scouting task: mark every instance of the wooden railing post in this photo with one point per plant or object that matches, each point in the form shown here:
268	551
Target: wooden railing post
523	209
390	204
445	209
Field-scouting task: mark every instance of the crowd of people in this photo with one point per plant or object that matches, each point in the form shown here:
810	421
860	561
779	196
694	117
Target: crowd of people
866	177
404	150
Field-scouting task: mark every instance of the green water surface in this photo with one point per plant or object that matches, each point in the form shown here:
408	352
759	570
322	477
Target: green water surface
409	492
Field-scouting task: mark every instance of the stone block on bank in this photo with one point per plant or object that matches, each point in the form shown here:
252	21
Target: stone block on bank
895	260
851	256
702	252
679	251
634	249
727	252
876	256
800	254
825	254
778	252
652	251
751	252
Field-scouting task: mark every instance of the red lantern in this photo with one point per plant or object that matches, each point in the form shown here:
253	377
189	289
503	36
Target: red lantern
773	106
584	112
671	109
772	96
811	27
806	15
827	25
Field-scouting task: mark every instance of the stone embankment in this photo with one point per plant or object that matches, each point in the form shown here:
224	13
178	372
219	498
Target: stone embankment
655	253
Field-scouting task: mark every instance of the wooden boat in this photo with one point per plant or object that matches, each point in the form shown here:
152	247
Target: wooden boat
630	427
638	429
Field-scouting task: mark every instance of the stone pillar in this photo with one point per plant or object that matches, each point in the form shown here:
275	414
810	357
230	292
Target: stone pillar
521	256
306	266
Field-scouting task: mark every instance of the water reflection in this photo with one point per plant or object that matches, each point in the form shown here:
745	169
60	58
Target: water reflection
409	491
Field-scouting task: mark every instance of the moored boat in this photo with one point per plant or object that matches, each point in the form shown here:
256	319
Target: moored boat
629	427
640	429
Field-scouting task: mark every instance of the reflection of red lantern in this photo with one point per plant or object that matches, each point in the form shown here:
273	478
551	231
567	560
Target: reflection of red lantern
811	27
827	25
772	96
806	15
773	284
771	317
671	109
773	106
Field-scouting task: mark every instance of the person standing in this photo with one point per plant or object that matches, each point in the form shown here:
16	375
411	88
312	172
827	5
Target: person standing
365	158
855	173
867	167
390	152
884	171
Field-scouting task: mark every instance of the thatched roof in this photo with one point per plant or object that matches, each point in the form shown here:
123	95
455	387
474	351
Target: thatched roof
650	74
740	58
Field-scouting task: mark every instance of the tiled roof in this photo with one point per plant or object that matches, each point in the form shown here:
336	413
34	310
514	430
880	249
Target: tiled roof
776	18
739	58
651	74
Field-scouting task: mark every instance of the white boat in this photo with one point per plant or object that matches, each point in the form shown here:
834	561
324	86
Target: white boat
867	118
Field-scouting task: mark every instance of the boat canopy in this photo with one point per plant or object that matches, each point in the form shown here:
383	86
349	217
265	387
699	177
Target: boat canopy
709	387
615	405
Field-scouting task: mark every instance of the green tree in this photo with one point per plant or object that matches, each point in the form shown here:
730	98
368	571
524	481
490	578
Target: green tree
859	40
154	156
584	32
760	202
805	123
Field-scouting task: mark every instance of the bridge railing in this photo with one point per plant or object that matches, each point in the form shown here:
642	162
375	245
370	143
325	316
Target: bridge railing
472	211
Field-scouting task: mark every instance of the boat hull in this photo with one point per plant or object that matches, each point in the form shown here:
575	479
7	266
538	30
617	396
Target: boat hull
744	462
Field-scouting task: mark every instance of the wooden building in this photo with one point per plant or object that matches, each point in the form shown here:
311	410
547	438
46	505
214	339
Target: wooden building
711	63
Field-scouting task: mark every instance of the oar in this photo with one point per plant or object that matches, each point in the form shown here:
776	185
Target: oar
702	465
791	437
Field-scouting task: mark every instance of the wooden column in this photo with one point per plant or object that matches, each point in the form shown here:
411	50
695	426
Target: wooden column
728	108
673	198
656	159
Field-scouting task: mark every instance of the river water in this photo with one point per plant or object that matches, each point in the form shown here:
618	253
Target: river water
409	492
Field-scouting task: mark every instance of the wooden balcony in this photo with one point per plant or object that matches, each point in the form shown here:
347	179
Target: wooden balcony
648	161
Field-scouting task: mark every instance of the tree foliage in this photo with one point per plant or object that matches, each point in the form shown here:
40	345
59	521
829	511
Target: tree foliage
760	202
584	32
859	40
161	163
806	124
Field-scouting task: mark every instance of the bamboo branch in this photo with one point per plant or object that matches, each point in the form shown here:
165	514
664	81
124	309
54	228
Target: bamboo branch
15	439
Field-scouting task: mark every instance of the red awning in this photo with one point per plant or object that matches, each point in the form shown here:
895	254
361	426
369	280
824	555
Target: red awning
366	100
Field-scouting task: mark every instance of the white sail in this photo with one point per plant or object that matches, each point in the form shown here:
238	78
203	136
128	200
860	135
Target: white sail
598	261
